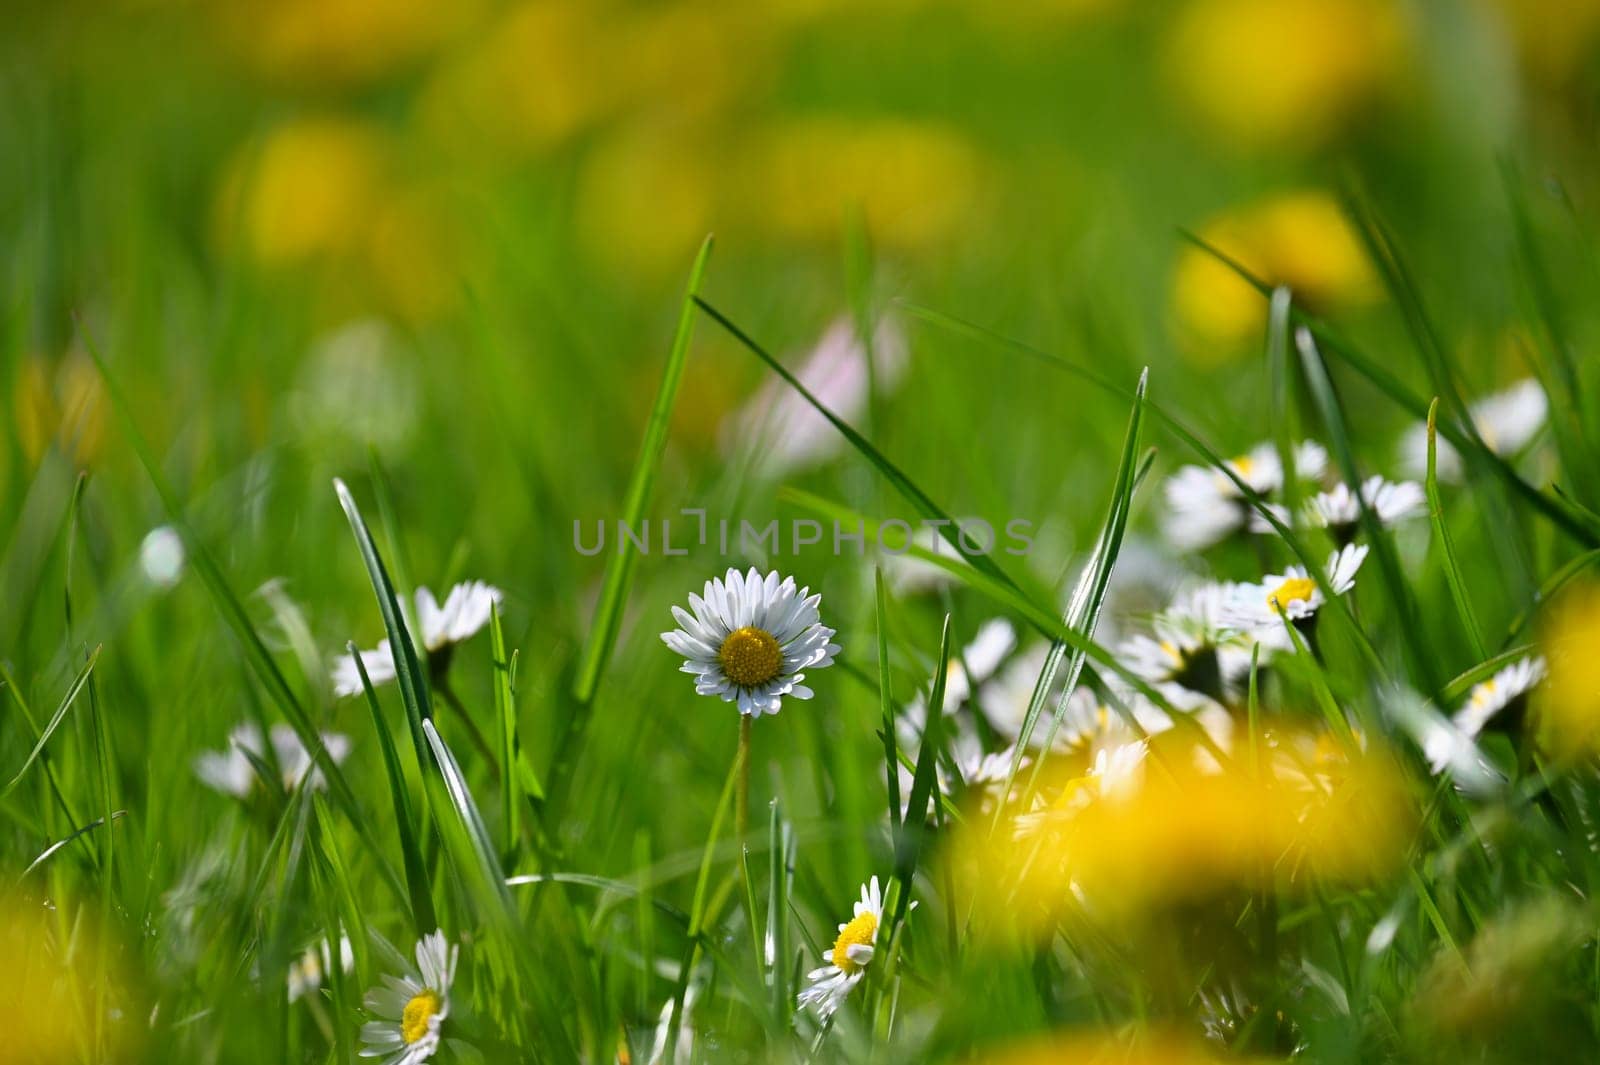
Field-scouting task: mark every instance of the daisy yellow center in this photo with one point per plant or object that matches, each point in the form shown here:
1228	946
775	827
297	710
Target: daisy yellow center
1243	465
750	657
1290	590
422	1008
858	933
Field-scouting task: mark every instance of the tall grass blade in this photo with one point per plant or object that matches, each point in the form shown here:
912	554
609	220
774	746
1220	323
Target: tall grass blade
73	689
1447	547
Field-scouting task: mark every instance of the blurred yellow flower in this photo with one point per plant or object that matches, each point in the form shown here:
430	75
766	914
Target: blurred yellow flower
916	183
1189	829
53	973
413	255
62	404
1569	708
306	191
1104	1048
645	200
340	42
1274	71
1299	239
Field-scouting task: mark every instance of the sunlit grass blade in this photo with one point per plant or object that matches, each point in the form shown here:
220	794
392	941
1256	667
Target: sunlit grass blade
520	782
891	753
925	506
908	845
1326	397
1584	531
418	884
50	851
620	565
71	694
1447	547
1088	599
409	674
774	949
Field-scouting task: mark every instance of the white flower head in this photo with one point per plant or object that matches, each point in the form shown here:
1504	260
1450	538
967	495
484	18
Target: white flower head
1339	511
964	675
784	431
306	971
1495	694
750	638
1256	608
161	557
1505	420
464	613
232	771
410	1010
852	953
1204	505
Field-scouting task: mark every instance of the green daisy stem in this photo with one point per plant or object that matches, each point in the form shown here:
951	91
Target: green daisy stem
742	807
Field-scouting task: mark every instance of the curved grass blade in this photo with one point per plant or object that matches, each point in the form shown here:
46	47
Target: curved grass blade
903	484
1549	588
408	670
77	685
620	566
1452	568
51	850
418	884
891	753
908	845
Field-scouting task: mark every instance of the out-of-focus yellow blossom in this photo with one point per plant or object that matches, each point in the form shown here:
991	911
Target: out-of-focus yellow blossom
645	200
1105	1049
1299	239
1554	38
307	191
341	42
413	255
62	404
1569	707
53	975
1274	71
1190	829
915	183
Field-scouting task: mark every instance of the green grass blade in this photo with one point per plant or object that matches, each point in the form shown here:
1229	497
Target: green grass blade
892	473
620	565
891	754
780	882
77	685
410	675
521	782
1447	547
418	884
908	845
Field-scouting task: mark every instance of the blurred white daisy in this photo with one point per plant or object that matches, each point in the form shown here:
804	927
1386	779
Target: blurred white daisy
1193	655
1505	420
784	432
852	953
161	557
1491	697
749	639
465	611
1205	506
306	972
1255	608
411	1009
964	674
233	773
1338	510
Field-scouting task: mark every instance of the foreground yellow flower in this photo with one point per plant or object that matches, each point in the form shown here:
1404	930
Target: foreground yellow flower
1569	709
1269	71
1299	239
51	957
1175	827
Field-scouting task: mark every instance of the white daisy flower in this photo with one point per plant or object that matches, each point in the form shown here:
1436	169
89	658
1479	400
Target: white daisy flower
465	611
1498	692
749	639
1338	510
852	953
785	432
1205	506
161	557
1505	420
232	772
1194	655
411	1008
306	971
1255	608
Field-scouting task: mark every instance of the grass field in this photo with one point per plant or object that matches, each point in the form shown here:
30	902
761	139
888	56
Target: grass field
491	494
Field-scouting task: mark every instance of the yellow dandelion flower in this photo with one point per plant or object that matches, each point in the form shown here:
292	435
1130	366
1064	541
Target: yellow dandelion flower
1569	708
